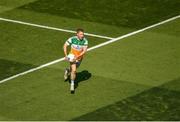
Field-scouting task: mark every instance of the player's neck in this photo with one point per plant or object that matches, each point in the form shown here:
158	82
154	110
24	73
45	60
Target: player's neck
80	39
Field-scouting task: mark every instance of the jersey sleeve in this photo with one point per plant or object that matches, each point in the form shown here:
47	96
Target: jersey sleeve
69	41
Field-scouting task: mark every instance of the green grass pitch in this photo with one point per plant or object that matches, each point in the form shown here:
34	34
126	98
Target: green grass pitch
136	78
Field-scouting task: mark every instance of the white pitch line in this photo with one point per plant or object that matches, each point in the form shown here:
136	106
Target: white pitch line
51	28
92	48
133	33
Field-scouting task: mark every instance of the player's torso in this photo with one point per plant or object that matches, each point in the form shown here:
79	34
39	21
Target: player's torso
77	45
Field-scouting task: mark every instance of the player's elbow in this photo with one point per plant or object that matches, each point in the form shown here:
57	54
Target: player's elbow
64	46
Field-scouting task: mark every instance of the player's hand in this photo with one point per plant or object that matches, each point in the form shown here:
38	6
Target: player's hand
75	58
66	58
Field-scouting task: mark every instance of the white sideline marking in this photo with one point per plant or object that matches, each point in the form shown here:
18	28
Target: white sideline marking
133	33
51	28
92	48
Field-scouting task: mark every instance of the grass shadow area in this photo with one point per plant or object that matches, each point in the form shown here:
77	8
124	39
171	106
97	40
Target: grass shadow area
82	76
121	13
9	68
158	103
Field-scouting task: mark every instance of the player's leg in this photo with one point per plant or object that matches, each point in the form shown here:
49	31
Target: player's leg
78	63
73	68
73	75
66	73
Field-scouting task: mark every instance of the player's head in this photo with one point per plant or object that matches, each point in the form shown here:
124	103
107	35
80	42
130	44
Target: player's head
80	33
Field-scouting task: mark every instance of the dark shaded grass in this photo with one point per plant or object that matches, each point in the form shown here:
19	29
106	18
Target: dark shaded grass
9	68
126	13
158	103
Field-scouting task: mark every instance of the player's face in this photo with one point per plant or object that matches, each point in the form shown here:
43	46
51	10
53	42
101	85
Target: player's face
80	35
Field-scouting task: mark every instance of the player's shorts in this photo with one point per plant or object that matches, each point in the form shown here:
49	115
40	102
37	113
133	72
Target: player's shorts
77	62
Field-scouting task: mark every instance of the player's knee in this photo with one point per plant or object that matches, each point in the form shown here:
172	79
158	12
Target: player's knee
73	71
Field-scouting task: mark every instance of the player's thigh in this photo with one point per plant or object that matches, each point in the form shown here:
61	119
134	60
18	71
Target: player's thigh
73	67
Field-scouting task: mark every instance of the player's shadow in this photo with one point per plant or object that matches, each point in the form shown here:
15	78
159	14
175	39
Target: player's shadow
81	76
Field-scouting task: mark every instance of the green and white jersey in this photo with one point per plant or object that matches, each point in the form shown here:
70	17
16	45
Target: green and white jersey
77	45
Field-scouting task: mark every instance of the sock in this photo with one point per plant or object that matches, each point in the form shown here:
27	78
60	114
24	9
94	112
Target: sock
72	82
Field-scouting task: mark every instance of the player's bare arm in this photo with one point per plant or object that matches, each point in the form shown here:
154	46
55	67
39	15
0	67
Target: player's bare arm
83	53
65	50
